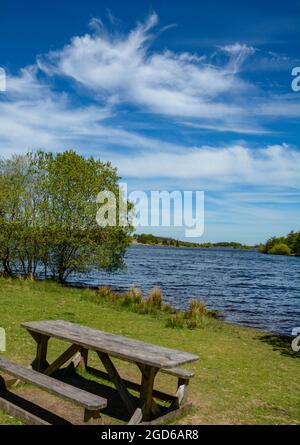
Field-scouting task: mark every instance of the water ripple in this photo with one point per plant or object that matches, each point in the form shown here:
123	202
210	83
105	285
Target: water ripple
248	287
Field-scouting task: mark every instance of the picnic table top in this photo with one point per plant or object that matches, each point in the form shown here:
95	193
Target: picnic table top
114	345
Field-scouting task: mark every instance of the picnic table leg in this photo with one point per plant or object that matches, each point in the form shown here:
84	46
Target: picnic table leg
83	360
2	384
118	382
146	393
182	391
92	417
61	360
40	363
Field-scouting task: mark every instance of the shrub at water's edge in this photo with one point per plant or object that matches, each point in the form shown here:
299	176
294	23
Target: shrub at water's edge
288	245
280	249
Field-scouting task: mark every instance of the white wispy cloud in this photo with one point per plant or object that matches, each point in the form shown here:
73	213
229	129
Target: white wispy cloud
34	116
123	68
112	69
274	165
238	53
168	83
279	105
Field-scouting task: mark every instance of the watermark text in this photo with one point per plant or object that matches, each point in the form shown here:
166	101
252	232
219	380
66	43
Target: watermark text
2	340
156	208
296	80
2	80
296	341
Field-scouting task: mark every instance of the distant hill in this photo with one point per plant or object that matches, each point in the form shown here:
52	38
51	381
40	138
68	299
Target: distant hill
152	240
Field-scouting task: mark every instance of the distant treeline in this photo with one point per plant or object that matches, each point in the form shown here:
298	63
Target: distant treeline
284	245
145	238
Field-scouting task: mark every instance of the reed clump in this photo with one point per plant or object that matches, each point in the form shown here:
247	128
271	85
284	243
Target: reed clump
196	310
195	316
155	298
105	292
102	293
132	298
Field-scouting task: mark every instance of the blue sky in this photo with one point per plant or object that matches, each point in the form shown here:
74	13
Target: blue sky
181	95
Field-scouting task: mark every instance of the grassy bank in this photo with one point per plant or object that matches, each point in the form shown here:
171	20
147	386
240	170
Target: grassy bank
244	376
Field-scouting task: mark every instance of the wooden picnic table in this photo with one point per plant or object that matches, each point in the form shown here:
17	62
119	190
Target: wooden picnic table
149	358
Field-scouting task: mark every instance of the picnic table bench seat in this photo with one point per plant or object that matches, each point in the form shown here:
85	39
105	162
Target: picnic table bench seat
91	403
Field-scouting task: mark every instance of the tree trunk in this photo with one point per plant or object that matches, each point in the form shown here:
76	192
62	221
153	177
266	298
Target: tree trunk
61	275
7	272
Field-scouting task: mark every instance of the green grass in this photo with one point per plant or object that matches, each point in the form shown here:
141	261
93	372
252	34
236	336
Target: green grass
243	376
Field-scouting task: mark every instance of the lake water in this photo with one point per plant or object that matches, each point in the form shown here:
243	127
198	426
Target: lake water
250	288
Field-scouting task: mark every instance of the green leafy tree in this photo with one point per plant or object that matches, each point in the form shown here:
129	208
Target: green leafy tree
76	242
12	209
48	216
291	239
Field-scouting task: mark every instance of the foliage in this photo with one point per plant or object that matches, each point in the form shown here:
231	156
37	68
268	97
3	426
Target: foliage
150	239
280	249
48	216
282	245
296	246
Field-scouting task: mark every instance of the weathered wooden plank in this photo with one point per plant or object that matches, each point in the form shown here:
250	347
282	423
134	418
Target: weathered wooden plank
178	372
137	416
61	360
68	392
133	385
27	411
21	414
114	345
118	382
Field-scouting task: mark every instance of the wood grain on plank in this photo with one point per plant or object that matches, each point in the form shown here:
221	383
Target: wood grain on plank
68	392
62	359
114	345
